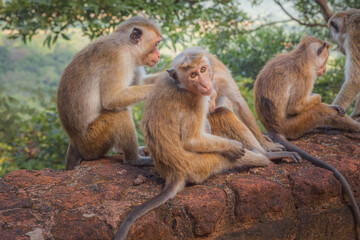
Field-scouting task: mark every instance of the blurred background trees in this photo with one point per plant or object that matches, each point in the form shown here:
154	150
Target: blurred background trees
40	37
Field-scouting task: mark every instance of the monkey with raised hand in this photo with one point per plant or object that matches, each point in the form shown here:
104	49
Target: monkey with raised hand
227	89
229	96
287	108
174	122
345	30
97	89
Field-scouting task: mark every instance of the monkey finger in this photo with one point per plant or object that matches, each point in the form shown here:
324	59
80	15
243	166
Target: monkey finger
267	137
296	157
281	155
340	110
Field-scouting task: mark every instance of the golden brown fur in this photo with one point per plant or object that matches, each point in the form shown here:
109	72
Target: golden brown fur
228	95
287	108
174	129
96	91
345	30
283	93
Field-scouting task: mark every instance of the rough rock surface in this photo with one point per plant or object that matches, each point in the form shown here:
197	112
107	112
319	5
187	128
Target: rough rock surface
282	201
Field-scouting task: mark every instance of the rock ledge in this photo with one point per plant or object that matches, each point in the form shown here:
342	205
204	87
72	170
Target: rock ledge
282	201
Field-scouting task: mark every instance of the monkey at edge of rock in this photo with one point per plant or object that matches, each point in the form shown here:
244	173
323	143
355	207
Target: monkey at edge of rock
229	96
287	108
97	89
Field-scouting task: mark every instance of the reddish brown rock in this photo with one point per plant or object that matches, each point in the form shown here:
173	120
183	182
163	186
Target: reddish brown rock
284	200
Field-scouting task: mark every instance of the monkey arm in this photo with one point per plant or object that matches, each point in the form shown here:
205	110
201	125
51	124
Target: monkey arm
207	143
194	139
152	78
303	105
139	76
348	91
125	97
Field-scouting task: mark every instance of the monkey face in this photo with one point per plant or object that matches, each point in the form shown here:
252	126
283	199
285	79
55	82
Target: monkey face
147	47
344	27
320	52
199	79
153	55
337	29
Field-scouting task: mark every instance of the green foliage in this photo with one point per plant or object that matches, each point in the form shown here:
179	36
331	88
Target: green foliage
30	139
99	17
309	11
31	135
246	54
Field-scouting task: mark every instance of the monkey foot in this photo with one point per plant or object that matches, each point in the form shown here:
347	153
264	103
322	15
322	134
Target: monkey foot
144	161
280	155
143	151
269	145
340	110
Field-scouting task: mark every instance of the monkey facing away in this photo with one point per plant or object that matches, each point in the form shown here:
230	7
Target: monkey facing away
287	108
229	96
345	30
97	89
174	122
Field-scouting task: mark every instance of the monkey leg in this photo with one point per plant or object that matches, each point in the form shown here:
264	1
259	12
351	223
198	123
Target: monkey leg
126	140
284	154
321	115
99	137
94	143
73	157
224	123
207	164
345	123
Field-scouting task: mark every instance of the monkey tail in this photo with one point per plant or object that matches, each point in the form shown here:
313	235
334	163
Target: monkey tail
317	162
168	192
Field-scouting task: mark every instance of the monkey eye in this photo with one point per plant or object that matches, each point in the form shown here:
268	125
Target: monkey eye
334	25
203	69
193	75
321	49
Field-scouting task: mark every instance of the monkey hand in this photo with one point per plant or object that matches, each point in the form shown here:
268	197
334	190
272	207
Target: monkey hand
212	101
316	98
236	152
339	109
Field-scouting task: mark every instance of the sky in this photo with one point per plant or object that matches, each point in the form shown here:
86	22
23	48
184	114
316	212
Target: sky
268	8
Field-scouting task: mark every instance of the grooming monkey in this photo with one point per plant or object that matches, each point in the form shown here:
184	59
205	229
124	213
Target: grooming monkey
229	96
286	107
174	122
345	30
97	89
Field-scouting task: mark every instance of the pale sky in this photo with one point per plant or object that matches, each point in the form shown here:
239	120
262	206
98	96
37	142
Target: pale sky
268	9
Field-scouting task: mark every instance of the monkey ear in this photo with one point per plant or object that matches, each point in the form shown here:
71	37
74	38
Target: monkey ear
172	74
135	36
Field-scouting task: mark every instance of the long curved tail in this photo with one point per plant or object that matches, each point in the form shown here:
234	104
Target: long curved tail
168	192
317	162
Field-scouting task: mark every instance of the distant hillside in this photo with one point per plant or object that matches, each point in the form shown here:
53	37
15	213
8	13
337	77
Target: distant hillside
27	70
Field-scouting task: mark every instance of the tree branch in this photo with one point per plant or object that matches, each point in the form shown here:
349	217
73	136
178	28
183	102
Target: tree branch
297	20
265	25
326	12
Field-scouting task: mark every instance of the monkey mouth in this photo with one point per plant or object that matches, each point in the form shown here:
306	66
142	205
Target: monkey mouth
206	92
152	63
